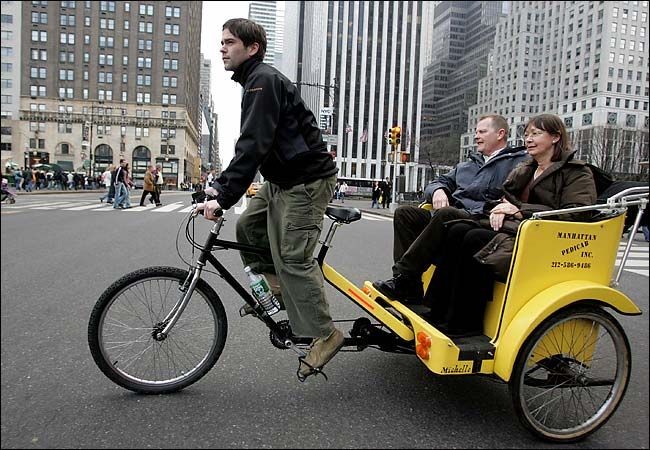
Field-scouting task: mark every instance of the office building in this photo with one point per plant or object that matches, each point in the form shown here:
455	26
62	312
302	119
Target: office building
105	80
584	61
10	64
209	134
462	35
358	65
265	14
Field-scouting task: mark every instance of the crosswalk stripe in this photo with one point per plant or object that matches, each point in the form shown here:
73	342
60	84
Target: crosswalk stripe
85	207
168	208
140	208
186	210
375	218
56	206
632	263
49	205
634	254
640	272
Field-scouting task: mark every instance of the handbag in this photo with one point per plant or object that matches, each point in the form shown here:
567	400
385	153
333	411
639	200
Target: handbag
497	255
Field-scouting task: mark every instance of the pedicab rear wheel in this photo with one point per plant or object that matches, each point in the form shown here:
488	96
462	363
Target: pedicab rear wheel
571	374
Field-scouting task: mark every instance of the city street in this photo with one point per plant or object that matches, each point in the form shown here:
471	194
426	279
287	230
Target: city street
60	251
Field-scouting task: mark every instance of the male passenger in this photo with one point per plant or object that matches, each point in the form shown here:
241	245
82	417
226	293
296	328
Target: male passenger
418	233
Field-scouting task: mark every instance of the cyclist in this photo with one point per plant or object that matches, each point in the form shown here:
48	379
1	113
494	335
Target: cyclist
280	138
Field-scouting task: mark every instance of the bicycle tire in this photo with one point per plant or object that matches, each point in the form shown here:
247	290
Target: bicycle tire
121	330
582	389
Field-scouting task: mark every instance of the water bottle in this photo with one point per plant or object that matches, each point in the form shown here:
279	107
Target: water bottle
262	292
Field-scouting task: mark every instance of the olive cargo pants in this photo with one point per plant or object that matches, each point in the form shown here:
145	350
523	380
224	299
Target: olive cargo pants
289	223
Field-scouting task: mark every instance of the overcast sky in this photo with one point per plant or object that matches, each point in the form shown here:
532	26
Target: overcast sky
225	92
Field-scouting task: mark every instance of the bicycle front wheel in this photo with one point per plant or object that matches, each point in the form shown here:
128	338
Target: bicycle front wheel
571	374
129	314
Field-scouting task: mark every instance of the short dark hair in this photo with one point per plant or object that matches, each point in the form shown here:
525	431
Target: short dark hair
249	32
553	125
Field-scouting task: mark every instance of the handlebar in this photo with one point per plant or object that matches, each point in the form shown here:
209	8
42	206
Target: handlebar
202	197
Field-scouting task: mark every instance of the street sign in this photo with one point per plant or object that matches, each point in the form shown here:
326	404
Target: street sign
330	138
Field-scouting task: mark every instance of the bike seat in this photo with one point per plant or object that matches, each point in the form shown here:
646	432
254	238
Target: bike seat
342	214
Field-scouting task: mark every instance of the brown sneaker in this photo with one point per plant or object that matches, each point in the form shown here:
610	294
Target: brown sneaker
322	350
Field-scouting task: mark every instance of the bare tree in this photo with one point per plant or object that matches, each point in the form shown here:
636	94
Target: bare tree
443	151
613	149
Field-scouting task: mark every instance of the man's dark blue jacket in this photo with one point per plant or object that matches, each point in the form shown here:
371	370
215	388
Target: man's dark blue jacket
473	183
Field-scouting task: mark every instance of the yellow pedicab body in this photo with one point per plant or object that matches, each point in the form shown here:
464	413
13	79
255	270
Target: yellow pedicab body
556	264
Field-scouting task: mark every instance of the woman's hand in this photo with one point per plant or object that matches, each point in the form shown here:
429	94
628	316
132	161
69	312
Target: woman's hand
499	213
505	207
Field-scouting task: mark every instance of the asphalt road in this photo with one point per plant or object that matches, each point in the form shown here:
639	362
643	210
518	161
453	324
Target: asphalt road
55	264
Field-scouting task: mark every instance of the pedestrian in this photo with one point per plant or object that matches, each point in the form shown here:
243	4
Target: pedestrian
107	181
18	178
376	195
280	138
120	186
149	186
386	192
160	181
29	179
343	189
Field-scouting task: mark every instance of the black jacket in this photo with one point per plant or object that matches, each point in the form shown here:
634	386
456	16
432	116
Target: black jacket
279	136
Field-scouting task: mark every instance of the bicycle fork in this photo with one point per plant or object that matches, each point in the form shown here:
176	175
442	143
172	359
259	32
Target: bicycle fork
187	288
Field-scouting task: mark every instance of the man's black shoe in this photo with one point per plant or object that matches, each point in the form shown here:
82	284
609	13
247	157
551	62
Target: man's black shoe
406	289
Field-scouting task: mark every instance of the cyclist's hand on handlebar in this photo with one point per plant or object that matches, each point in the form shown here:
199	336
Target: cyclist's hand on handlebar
209	209
440	199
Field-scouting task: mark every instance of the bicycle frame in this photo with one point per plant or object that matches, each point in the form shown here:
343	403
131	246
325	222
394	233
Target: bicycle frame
338	281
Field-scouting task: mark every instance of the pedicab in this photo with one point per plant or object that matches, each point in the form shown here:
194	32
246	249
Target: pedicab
548	331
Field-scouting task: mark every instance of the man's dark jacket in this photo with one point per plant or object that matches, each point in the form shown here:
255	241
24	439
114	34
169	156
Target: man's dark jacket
473	183
279	136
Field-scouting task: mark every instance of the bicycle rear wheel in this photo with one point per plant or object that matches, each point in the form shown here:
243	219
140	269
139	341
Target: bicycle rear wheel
571	374
129	313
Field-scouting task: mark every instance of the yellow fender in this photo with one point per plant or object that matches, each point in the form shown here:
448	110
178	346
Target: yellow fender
543	305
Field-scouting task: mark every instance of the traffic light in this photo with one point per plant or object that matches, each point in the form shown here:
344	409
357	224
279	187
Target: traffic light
395	136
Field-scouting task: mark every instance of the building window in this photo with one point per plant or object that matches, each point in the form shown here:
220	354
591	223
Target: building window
612	118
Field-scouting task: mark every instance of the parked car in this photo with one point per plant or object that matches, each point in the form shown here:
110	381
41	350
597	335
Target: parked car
253	188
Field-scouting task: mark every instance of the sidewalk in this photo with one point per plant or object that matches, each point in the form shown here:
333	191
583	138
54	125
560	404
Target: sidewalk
363	206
